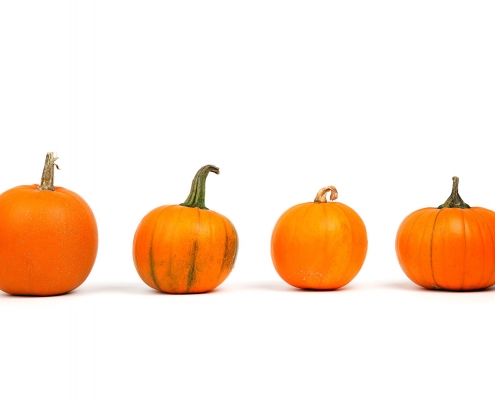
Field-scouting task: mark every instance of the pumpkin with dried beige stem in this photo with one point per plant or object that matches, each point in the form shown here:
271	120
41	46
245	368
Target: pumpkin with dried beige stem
319	245
48	238
185	248
451	247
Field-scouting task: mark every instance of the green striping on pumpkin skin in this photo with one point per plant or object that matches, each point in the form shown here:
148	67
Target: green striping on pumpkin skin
152	265
196	196
226	252
454	200
191	275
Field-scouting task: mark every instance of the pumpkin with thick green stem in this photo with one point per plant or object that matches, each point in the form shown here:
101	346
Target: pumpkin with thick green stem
185	248
451	247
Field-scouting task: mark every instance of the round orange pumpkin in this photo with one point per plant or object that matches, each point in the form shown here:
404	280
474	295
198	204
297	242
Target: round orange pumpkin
185	248
48	238
319	245
450	247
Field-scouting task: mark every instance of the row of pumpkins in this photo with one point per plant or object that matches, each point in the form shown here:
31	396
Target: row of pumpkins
49	240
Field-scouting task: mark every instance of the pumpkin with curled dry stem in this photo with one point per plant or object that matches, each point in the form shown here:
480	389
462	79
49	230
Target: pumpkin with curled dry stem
185	248
451	247
320	245
48	238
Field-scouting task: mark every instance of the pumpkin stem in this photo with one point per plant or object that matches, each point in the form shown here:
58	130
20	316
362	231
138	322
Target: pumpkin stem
196	196
321	196
48	173
454	201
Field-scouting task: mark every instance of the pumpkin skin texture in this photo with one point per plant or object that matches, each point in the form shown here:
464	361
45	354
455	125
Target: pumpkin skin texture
48	241
449	248
320	245
183	248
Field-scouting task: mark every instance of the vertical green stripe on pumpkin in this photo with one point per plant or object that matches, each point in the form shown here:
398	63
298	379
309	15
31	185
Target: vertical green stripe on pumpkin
152	264
196	196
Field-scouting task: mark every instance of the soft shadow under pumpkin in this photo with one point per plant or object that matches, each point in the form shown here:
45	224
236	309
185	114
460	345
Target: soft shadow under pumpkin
415	288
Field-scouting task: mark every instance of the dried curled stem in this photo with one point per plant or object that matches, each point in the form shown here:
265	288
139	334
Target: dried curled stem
48	172
321	196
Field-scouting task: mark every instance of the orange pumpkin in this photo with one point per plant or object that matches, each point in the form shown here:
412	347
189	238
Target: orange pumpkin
450	247
319	245
48	238
185	248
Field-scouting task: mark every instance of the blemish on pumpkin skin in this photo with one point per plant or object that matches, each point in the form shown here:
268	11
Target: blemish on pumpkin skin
313	274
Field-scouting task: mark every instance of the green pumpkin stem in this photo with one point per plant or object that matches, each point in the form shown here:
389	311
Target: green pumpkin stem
454	201
48	173
196	197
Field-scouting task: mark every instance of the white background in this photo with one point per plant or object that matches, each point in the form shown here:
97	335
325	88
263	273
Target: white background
386	100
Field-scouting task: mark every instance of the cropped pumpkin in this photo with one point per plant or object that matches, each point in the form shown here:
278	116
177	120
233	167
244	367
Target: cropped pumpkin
185	248
48	238
320	245
450	247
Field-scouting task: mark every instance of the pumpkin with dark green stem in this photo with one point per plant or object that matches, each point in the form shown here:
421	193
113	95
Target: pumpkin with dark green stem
185	248
451	247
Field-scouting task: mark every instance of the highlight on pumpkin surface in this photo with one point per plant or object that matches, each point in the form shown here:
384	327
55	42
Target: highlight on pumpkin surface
185	248
59	237
449	247
319	245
